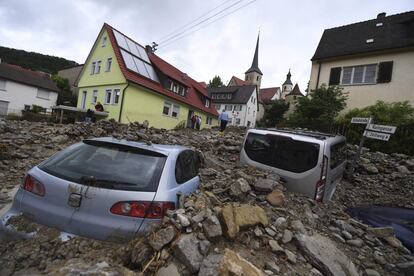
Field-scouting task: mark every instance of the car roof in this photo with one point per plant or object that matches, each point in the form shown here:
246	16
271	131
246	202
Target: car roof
163	149
302	132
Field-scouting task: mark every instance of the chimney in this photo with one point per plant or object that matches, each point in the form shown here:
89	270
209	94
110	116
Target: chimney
148	48
381	15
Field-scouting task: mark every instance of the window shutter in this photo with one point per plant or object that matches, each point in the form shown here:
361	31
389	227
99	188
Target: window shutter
384	72
335	76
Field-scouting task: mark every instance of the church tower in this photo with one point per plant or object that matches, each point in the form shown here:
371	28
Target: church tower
287	86
254	75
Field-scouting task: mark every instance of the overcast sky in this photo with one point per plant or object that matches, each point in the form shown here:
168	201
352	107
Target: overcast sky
289	30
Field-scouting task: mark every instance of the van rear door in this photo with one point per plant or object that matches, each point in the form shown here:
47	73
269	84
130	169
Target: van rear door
295	158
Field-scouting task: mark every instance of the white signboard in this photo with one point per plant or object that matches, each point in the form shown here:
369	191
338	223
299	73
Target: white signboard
382	128
377	135
360	120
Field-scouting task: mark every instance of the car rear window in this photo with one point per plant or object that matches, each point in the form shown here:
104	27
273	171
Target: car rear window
282	152
108	165
337	154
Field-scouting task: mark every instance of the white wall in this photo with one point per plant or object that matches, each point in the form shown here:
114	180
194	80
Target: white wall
399	89
248	112
18	95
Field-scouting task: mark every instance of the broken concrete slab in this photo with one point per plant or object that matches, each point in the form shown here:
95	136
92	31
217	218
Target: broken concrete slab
162	237
233	264
187	251
325	256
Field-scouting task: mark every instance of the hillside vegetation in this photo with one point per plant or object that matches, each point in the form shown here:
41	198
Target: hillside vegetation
34	61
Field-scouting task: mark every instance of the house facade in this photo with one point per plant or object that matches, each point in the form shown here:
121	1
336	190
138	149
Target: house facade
72	75
371	60
239	102
21	88
134	84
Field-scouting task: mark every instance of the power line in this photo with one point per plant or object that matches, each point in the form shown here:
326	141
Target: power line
201	16
201	22
181	37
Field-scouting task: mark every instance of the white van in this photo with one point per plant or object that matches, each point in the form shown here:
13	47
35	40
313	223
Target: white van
311	163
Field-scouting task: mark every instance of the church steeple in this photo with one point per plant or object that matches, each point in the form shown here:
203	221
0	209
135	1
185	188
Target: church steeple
288	81
255	62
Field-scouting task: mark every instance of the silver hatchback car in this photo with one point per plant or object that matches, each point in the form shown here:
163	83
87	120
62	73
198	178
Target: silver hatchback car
311	163
106	188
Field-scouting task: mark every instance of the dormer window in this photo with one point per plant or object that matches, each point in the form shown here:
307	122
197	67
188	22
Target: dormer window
207	104
229	96
176	88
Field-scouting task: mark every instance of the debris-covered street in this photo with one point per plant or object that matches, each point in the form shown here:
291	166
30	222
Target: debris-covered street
242	220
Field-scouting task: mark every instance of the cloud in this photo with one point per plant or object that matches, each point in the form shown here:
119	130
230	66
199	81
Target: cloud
289	31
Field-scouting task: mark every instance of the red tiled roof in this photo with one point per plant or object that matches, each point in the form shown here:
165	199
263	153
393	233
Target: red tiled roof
295	91
196	93
203	84
33	78
266	94
239	82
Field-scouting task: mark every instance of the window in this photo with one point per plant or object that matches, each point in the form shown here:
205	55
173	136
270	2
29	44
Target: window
218	106
384	71
43	94
209	120
187	166
93	65
26	107
104	39
282	152
207	103
2	85
175	111
246	78
98	67
166	109
337	154
238	108
228	107
229	96
108	64
117	93
175	88
238	121
362	74
126	168
108	96
257	78
213	96
181	90
94	96
248	110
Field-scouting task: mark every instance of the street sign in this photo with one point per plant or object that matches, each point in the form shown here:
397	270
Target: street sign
360	120
382	128
377	135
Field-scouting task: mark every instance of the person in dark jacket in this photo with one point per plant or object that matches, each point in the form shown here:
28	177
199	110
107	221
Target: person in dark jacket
99	107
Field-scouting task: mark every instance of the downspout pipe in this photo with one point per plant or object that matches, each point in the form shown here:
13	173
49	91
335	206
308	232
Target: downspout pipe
122	102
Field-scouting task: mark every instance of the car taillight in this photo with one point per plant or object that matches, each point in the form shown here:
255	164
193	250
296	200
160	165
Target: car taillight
142	209
320	185
32	185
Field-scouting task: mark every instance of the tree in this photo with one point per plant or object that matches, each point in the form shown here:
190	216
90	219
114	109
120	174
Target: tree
65	96
274	113
215	82
319	108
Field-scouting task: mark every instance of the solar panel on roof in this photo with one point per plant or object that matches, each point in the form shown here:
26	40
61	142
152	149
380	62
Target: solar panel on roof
135	57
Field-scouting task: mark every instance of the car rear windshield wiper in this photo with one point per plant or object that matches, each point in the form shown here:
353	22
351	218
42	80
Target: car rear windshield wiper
104	183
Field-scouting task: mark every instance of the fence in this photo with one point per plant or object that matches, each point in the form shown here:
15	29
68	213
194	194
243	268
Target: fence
401	142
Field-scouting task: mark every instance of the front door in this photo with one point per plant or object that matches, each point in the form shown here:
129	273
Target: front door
4	106
83	99
190	115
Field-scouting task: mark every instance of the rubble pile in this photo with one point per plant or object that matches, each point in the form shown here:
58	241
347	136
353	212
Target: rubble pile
242	221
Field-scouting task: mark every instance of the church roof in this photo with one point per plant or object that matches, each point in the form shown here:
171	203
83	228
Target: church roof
295	91
255	63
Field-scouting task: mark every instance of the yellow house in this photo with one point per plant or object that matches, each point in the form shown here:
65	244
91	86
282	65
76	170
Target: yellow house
134	84
372	60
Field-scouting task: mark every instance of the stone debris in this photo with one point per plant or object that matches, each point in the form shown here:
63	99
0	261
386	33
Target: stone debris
241	221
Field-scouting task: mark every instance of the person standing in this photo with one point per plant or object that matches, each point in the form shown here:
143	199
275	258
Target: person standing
224	119
193	121
198	122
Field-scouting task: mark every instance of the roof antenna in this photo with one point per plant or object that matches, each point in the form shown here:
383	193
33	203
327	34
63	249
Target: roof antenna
154	46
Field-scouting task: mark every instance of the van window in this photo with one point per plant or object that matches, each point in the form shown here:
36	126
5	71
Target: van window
282	152
337	154
187	166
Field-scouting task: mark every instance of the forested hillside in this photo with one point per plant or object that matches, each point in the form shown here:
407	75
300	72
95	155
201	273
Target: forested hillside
34	61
